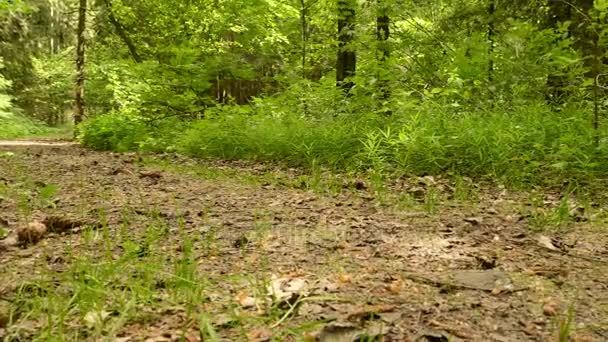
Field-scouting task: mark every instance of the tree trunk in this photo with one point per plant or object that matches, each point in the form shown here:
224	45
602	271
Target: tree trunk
382	36
304	27
120	30
80	63
347	57
491	29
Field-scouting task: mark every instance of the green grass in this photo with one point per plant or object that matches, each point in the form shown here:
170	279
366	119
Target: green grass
528	146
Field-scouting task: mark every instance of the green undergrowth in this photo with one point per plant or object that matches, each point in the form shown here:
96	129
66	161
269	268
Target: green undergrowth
14	125
524	147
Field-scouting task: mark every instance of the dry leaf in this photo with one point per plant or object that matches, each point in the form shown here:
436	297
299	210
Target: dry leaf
344	279
311	336
550	309
369	311
246	301
396	286
95	318
259	335
546	242
287	287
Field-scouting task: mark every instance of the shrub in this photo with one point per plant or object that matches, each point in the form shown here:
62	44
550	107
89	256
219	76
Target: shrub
112	132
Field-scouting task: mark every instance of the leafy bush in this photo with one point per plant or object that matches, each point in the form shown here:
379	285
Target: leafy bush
112	132
120	132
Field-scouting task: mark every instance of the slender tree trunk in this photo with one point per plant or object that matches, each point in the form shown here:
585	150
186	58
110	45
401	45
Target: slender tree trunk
80	63
52	24
304	27
347	57
491	33
382	35
122	33
597	61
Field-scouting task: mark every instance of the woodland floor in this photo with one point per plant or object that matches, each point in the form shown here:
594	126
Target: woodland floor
167	249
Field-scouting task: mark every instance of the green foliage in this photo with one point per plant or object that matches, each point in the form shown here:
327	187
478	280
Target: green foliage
12	123
112	132
15	125
530	145
258	137
5	100
120	132
471	92
51	97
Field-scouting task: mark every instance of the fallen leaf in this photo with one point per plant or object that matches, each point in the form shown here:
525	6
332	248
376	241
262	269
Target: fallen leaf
191	337
95	318
369	312
223	320
150	174
550	309
546	242
492	211
396	286
339	332
390	317
344	278
311	336
285	288
246	301
259	335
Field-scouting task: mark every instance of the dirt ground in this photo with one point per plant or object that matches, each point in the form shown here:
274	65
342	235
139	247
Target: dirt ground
152	250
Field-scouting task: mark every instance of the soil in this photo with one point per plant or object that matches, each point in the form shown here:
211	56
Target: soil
352	263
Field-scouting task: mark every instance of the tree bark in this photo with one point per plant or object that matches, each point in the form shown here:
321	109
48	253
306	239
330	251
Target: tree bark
491	29
347	57
79	104
382	35
304	27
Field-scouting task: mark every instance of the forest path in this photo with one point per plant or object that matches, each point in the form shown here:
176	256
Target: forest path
36	142
163	248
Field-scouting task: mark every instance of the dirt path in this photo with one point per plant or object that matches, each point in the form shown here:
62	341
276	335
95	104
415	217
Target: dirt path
35	143
141	254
